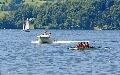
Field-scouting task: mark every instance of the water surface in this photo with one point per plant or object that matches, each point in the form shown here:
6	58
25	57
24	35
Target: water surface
21	57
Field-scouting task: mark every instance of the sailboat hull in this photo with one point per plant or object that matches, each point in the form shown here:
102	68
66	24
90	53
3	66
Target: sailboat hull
26	30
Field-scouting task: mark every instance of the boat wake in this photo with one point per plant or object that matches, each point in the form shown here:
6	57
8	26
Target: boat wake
69	41
62	41
35	42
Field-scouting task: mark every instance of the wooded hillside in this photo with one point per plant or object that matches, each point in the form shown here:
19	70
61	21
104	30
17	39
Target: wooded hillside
62	14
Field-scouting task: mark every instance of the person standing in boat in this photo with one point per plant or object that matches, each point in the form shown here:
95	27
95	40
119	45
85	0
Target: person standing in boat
45	33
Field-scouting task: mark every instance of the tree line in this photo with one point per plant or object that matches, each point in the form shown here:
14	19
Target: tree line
67	14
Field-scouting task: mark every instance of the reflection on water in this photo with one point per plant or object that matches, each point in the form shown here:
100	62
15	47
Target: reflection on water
21	57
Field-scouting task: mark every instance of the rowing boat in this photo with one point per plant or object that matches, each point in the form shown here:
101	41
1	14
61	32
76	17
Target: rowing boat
74	48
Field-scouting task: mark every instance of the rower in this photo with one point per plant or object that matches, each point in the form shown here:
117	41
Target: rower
84	45
81	45
49	34
87	45
77	46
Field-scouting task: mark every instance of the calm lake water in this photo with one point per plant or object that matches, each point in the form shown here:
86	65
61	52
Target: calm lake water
18	56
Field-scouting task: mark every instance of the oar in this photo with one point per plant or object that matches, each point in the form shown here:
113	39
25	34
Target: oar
103	47
98	47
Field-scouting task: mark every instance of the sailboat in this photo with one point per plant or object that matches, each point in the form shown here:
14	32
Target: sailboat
26	26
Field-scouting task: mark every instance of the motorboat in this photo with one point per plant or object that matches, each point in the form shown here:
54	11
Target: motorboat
45	39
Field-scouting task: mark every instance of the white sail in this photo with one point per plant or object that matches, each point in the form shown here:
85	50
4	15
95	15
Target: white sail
27	24
23	27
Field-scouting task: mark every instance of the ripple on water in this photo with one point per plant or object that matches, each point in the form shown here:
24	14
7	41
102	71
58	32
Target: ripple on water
21	57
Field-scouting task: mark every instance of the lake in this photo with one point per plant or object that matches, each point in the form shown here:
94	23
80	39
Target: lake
21	57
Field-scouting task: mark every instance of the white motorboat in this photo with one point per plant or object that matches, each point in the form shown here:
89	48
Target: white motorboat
45	38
